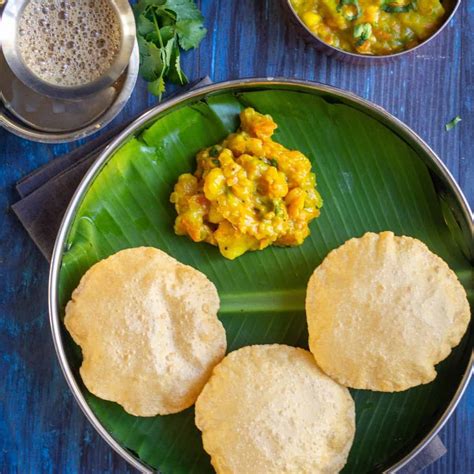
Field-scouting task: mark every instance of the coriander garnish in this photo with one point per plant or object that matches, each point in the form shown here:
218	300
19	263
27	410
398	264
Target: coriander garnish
346	11
450	125
277	207
395	7
214	152
362	33
163	27
273	162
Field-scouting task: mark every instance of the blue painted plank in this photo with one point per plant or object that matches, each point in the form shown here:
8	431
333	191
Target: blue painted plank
41	427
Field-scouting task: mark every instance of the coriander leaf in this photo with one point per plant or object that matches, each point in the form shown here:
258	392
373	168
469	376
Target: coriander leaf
142	45
277	207
143	5
273	162
167	17
167	32
157	87
214	152
362	32
184	9
144	25
395	7
162	35
151	63
450	125
175	74
348	13
190	33
168	52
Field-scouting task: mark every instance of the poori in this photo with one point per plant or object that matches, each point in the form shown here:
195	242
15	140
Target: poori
148	329
382	311
270	409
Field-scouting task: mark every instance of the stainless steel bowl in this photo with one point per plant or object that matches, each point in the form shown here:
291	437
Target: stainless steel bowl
450	6
459	206
123	90
9	42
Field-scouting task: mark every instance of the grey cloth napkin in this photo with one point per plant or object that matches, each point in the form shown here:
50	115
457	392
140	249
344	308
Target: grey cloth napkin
45	195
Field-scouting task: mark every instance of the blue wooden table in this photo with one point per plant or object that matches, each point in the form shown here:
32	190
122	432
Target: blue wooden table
41	427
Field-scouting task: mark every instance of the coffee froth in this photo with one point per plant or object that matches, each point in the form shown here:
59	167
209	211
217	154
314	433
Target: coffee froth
69	43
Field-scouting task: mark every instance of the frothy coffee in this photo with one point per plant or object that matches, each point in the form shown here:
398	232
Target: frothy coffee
69	43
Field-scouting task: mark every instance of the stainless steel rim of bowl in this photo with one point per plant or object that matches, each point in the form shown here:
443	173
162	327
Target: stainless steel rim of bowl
20	129
367	57
378	111
9	41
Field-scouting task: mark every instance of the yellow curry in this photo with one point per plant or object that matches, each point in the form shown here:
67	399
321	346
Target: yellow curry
375	27
247	192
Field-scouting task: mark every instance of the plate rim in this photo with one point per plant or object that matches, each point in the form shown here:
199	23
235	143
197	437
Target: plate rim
142	120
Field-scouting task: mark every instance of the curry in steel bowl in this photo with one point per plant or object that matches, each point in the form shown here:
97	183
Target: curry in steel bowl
371	27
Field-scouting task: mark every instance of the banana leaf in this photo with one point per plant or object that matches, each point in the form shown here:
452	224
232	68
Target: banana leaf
370	180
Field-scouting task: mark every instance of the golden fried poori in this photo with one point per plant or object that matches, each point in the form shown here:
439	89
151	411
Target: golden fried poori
269	409
148	329
382	311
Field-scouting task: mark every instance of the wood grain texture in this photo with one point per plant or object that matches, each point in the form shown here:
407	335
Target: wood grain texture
41	427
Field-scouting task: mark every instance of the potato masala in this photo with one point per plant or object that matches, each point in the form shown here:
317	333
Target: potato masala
373	27
248	192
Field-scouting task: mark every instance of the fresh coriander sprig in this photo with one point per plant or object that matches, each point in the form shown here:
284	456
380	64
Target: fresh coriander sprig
163	27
